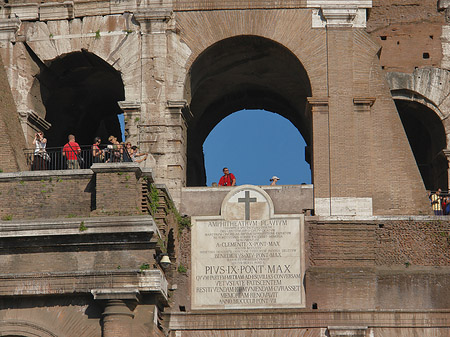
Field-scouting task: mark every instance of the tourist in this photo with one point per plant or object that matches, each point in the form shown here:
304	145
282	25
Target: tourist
274	180
228	179
97	153
128	154
445	204
40	154
135	155
72	151
436	202
115	150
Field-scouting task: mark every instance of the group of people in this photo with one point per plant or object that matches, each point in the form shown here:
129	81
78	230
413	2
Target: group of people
114	152
228	179
440	203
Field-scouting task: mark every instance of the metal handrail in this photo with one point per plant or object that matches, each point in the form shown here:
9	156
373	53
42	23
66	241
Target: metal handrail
52	158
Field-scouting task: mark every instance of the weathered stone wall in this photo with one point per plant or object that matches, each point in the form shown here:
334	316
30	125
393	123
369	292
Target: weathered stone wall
12	158
31	195
114	189
409	32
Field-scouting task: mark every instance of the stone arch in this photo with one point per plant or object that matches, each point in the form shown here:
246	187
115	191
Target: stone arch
290	28
80	92
24	329
426	135
243	72
422	100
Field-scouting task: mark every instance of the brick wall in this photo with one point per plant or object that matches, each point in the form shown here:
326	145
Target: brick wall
409	32
30	195
115	189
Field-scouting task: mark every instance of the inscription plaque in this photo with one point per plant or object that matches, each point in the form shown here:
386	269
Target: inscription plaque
248	257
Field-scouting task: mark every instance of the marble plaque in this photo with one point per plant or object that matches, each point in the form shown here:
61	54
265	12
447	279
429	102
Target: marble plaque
247	258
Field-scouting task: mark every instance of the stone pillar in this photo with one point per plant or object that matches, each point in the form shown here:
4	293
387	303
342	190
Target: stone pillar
163	130
320	165
117	318
347	331
113	179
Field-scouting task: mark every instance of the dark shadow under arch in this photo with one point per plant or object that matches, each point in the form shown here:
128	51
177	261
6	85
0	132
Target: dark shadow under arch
80	92
243	72
426	136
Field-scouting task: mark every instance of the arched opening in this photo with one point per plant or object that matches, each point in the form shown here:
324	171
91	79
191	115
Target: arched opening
426	136
243	72
80	92
263	145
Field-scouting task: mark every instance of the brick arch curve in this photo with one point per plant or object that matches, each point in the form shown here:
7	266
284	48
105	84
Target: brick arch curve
243	72
291	29
24	329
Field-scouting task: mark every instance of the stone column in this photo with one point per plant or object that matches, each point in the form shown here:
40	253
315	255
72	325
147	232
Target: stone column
117	318
320	165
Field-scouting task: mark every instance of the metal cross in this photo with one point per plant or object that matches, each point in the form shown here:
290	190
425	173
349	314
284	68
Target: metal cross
247	201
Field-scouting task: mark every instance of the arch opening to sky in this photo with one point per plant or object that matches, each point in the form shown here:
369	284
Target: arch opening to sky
256	145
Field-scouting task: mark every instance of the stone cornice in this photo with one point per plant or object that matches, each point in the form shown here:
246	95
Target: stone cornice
57	283
66	10
339	13
307	319
8	28
153	14
339	3
64	227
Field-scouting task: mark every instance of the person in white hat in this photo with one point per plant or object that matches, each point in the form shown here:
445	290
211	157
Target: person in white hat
274	180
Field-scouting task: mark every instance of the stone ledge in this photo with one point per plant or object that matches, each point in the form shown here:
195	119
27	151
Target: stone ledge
122	167
94	225
375	218
56	283
283	319
39	175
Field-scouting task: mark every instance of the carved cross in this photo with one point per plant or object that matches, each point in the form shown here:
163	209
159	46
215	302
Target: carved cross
247	200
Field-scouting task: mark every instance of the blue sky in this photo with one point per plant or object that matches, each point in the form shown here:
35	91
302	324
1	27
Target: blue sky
255	145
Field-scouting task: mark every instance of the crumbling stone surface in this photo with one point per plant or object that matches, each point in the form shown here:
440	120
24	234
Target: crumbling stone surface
393	12
409	32
12	157
413	243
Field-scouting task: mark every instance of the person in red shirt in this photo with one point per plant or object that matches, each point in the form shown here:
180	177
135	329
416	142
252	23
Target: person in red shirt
228	179
71	151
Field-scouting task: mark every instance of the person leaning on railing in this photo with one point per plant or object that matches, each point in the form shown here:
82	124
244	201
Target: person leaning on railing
115	150
97	154
41	157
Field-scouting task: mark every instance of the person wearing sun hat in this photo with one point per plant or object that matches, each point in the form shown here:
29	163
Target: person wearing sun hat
274	180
